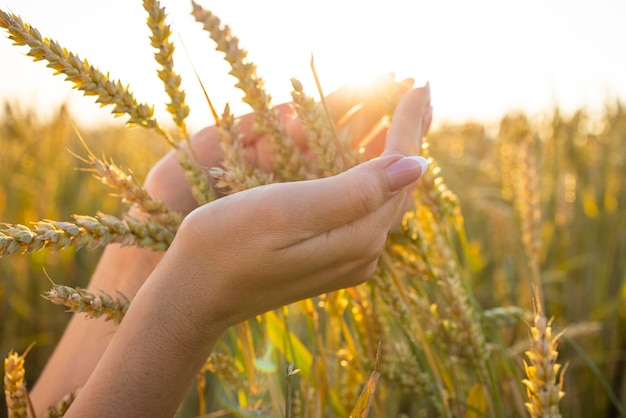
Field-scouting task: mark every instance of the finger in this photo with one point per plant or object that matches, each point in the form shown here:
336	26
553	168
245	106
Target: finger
380	101
314	207
327	272
344	100
409	120
361	124
170	177
357	243
374	145
247	122
295	130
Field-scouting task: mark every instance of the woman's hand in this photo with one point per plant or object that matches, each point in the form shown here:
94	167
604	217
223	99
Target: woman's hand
245	254
272	245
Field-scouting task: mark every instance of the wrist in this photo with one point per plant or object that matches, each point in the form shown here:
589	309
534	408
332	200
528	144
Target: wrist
188	297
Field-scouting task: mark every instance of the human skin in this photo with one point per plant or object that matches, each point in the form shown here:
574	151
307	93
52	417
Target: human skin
194	292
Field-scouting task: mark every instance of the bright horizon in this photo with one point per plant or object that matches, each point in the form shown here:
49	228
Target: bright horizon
483	59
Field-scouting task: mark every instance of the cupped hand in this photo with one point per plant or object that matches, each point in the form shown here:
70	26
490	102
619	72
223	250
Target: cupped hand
245	254
272	245
351	108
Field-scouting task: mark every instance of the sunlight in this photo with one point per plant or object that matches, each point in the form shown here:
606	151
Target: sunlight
481	59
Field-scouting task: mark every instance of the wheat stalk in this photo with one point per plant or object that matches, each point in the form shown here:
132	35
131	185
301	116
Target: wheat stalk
504	315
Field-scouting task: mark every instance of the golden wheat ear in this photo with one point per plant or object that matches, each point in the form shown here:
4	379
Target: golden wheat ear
236	173
59	410
81	300
85	77
125	186
177	107
85	231
544	382
15	390
289	159
320	134
164	53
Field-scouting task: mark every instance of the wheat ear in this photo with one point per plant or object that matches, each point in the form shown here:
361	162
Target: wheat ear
124	185
59	410
236	173
84	76
85	301
319	134
267	122
161	33
544	383
15	391
85	231
178	108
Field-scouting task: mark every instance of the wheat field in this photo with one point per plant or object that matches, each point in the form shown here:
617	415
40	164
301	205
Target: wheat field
502	294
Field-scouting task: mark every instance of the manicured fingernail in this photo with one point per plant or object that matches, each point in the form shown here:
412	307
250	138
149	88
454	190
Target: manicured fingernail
427	88
405	171
428	118
407	83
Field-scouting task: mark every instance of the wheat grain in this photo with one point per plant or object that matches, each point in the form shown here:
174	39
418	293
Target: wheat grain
224	367
177	107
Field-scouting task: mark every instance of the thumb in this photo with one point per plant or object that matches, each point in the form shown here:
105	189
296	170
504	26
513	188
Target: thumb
410	122
346	197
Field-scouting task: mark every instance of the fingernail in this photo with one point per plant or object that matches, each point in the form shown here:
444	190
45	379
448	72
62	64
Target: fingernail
428	118
407	83
427	89
405	171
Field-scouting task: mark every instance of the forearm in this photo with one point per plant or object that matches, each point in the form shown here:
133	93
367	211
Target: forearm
85	340
156	352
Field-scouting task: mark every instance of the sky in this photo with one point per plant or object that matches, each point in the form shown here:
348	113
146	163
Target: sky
483	58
